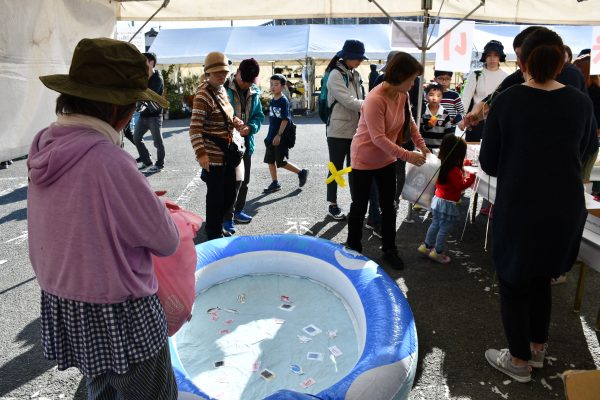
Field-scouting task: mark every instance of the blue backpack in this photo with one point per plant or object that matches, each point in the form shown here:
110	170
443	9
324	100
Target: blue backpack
324	110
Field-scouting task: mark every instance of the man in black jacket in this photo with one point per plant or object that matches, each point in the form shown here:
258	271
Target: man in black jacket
150	119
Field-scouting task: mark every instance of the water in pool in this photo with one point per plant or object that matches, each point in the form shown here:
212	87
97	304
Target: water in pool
254	335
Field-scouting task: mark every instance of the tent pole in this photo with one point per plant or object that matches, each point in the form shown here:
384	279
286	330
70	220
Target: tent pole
164	5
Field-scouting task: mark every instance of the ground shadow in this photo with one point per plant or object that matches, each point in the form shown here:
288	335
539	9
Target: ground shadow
27	365
16	195
254	204
17	215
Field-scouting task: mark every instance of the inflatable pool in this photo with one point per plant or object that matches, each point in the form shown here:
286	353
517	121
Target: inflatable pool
383	323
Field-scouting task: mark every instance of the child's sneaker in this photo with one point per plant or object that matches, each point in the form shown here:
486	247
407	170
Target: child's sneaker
424	250
502	361
537	357
439	257
272	188
302	176
336	213
241	217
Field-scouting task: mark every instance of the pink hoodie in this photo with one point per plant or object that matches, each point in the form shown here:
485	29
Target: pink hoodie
93	219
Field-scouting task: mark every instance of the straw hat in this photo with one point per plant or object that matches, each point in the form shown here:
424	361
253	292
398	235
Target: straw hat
106	70
215	61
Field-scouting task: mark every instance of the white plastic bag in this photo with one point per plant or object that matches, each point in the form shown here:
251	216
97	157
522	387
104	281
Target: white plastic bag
419	186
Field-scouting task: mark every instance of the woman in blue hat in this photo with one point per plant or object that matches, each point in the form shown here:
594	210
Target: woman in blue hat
345	95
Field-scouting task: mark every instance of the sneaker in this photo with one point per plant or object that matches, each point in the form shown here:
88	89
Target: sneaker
241	217
138	160
393	259
439	257
538	357
229	226
375	227
272	188
558	281
155	168
502	361
424	250
142	166
302	176
336	213
3	165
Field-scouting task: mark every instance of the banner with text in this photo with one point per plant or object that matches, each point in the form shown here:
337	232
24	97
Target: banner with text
453	52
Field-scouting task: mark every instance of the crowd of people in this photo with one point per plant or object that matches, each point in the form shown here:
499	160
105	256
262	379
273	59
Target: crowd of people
99	309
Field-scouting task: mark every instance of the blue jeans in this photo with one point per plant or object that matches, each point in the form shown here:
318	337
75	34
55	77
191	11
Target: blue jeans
154	124
438	231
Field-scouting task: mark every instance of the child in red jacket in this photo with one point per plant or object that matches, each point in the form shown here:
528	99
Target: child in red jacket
448	188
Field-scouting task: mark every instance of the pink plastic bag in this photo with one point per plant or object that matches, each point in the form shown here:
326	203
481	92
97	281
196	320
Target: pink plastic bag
175	273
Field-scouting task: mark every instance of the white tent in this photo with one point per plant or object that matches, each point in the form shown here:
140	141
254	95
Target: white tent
38	37
586	12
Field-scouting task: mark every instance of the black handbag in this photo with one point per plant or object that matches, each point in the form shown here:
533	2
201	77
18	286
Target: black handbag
234	148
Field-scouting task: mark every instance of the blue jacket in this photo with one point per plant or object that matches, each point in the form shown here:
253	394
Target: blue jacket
254	115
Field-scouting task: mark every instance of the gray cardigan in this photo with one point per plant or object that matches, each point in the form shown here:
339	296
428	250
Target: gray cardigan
346	112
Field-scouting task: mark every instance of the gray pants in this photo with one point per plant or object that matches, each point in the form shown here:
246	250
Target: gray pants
154	124
152	379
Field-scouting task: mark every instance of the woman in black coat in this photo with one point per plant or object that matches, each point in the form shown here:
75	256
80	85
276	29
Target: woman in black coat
535	137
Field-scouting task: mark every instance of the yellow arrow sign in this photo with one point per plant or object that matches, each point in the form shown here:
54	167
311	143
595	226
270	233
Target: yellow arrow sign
337	175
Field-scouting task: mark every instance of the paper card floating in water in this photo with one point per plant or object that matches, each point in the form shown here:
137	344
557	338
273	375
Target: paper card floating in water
303	339
296	369
242	298
314	356
311	330
285	299
287	307
332	333
307	383
267	375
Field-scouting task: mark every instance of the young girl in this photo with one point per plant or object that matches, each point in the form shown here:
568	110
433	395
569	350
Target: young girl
450	184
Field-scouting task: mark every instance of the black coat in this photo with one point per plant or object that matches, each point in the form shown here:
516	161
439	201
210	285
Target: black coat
534	142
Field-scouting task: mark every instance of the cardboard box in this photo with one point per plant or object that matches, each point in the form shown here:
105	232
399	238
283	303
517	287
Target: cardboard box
582	385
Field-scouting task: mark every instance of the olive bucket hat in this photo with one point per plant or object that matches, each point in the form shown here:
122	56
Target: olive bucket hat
106	70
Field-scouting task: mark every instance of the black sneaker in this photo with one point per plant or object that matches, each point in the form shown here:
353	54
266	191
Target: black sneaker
142	166
336	213
156	168
392	258
272	188
302	176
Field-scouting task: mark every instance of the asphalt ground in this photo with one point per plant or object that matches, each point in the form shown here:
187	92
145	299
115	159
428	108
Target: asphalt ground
456	306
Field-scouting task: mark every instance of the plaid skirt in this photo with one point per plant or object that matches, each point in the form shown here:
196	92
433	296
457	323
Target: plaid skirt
100	338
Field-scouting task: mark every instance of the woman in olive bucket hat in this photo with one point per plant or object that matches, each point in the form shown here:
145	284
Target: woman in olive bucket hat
93	224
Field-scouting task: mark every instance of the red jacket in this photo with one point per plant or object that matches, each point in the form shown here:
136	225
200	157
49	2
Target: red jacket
455	184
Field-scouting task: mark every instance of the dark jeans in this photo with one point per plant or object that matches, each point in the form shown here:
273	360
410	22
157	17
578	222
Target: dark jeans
361	189
525	313
339	151
400	177
154	124
220	196
127	133
241	189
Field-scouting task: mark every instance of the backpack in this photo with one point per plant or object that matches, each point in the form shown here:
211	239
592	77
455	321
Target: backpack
324	109
289	135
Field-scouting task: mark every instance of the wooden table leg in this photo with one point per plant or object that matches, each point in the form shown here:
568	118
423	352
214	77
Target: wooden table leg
579	292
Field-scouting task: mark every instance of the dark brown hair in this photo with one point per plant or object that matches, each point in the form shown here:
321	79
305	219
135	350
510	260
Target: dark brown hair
543	55
520	38
453	151
400	68
67	104
569	53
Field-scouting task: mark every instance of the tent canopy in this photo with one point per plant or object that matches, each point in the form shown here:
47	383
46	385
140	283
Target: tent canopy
295	42
556	12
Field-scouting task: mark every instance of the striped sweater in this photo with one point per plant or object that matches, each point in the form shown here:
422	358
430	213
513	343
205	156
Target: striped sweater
207	120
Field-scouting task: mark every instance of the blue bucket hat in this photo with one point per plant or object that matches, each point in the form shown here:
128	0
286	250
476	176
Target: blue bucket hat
352	50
